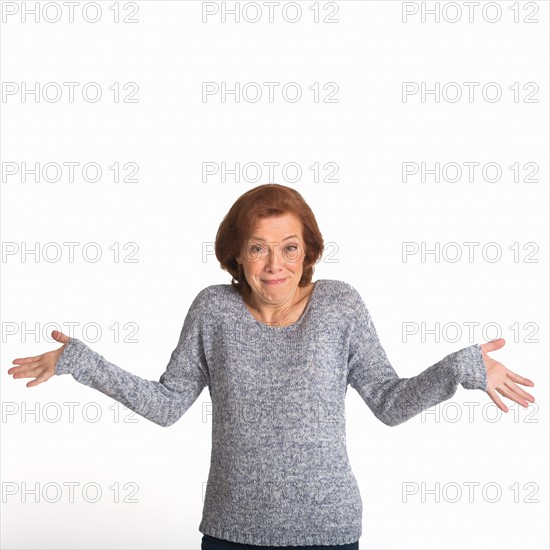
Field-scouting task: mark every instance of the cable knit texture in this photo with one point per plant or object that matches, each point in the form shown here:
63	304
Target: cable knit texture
279	470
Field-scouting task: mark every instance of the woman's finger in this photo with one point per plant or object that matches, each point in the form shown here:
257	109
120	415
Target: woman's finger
24	368
516	389
520	379
492	345
41	378
493	395
28	372
503	390
25	360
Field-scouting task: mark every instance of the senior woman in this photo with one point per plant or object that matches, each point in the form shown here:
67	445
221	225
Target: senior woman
277	352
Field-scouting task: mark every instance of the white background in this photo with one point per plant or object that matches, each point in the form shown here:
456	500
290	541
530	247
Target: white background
368	213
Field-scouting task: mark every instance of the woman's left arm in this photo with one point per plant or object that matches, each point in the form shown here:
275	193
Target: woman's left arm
395	400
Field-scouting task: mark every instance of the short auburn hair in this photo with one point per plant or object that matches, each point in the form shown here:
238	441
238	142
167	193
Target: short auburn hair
265	201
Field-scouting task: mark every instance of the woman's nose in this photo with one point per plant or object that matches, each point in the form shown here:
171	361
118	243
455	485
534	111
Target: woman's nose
274	259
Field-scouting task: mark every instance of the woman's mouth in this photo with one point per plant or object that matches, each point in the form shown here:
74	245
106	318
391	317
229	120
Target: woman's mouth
273	281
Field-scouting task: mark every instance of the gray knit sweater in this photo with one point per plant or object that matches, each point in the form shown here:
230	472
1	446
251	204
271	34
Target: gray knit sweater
279	470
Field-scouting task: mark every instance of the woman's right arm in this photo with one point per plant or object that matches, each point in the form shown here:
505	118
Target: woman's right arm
163	402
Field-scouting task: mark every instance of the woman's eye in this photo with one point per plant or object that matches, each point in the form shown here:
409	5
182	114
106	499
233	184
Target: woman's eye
256	249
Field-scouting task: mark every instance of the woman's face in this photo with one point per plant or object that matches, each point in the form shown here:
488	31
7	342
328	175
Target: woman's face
273	257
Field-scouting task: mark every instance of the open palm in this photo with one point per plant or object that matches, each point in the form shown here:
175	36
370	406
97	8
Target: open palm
39	367
503	380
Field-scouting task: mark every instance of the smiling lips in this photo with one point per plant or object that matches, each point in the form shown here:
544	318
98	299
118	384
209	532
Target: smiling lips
273	281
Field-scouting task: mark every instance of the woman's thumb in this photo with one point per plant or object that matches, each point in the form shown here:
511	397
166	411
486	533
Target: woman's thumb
60	337
493	345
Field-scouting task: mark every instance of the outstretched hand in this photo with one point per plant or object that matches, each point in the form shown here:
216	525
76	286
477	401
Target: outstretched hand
503	380
40	367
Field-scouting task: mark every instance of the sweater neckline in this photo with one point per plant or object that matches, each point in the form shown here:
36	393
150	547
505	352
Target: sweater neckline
248	315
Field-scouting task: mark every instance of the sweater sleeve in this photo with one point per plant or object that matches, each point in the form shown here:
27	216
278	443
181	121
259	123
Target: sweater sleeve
163	402
395	400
